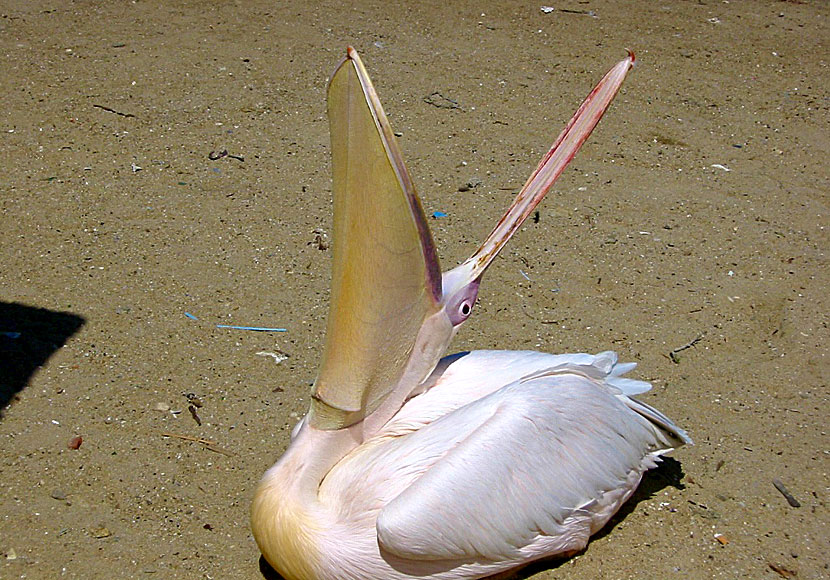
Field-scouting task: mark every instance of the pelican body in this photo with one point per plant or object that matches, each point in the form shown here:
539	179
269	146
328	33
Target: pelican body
409	465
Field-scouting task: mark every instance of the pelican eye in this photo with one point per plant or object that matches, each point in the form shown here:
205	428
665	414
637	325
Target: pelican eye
460	302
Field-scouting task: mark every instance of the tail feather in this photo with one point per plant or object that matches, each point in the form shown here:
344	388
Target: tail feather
605	368
677	436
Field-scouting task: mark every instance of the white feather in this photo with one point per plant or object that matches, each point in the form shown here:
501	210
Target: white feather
472	470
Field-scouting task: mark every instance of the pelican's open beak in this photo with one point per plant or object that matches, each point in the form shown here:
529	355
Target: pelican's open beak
386	281
564	149
392	314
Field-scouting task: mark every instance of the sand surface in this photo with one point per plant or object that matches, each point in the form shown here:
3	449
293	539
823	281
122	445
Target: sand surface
698	212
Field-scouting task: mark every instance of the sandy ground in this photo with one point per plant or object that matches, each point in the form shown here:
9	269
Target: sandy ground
698	210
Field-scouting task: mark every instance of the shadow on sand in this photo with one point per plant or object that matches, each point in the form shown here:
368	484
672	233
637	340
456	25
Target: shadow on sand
668	474
28	337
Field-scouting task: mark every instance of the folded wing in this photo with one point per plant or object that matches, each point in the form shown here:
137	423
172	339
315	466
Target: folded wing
546	459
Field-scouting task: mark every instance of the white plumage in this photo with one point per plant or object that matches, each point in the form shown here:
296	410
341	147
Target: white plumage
409	466
507	457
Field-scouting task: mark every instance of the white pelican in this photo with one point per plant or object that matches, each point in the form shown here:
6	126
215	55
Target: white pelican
408	465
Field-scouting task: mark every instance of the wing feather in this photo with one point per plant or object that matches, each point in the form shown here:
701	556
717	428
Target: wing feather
526	461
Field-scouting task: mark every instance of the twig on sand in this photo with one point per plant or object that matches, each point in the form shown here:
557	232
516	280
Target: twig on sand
254	328
690	344
208	443
782	571
215	156
109	110
779	485
194	414
436	99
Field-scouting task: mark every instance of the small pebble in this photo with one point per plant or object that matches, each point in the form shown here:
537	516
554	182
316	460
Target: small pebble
101	532
75	442
472	184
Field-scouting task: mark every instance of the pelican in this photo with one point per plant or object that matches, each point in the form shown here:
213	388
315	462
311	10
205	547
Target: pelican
410	465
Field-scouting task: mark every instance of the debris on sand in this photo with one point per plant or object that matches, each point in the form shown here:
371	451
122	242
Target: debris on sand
786	493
